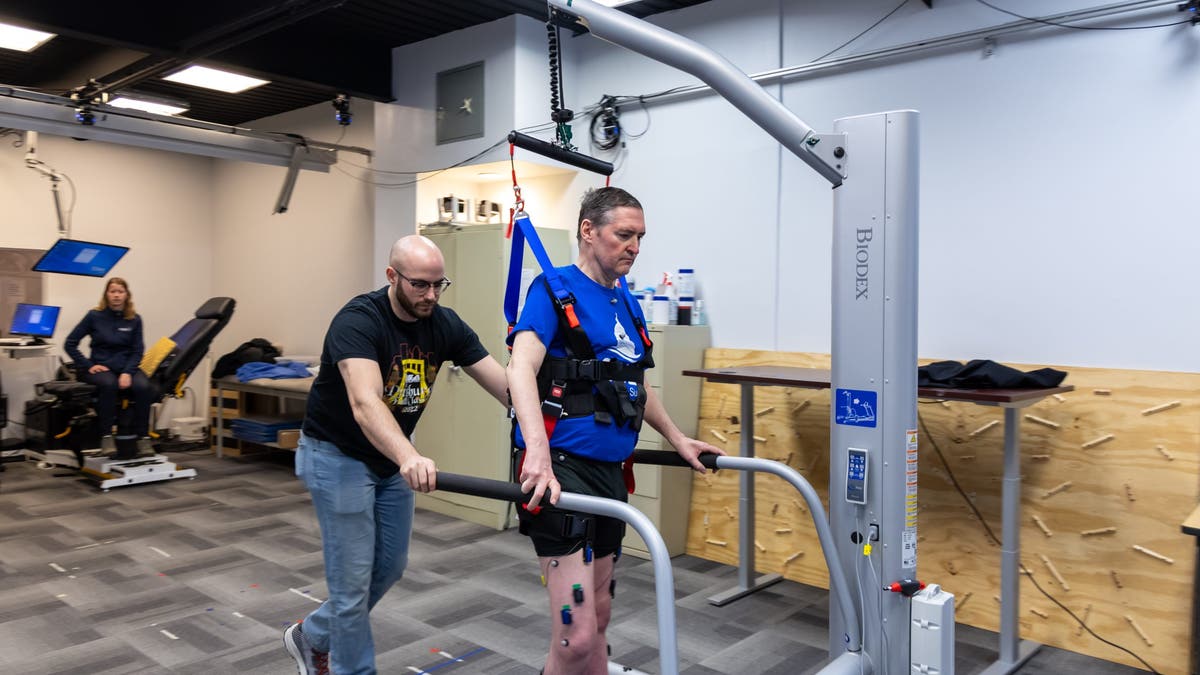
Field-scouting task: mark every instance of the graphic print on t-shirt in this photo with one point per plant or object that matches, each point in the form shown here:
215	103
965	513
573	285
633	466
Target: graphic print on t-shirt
624	347
409	380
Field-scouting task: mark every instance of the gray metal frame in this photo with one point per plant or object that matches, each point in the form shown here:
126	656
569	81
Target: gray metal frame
874	312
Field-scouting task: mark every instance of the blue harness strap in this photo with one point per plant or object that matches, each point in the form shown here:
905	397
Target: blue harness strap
524	233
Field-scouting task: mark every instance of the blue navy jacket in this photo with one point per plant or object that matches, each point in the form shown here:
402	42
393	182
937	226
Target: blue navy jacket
116	341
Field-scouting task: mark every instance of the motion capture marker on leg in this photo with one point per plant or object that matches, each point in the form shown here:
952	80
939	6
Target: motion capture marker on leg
565	642
587	554
612	588
565	613
543	577
577	593
554	563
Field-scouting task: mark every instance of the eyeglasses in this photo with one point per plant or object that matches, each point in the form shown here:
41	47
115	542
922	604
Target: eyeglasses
422	286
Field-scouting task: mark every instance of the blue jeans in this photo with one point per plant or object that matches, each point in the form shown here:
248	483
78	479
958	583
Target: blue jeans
366	524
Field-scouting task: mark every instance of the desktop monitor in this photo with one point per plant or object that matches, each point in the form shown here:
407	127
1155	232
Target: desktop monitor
37	321
85	258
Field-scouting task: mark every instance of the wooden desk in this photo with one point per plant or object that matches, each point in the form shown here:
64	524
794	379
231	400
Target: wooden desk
1013	650
289	388
1192	526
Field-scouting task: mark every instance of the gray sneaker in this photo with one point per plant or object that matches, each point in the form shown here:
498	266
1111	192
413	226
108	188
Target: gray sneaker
108	445
308	660
145	447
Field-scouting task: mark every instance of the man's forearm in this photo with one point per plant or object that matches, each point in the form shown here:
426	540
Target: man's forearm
381	429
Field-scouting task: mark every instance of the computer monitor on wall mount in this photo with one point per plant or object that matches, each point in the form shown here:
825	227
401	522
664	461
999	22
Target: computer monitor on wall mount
35	321
85	258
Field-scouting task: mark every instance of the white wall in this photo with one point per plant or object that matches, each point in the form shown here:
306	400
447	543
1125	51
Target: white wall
157	203
291	272
1056	218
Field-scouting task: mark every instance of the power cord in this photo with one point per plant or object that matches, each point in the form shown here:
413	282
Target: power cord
992	536
1078	27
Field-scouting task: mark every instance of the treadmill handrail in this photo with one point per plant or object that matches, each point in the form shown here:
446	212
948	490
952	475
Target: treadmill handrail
664	580
837	578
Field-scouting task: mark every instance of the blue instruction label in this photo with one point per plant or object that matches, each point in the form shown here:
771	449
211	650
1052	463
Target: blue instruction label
855	407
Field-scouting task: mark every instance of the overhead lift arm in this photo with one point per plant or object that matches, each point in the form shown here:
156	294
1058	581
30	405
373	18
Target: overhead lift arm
714	70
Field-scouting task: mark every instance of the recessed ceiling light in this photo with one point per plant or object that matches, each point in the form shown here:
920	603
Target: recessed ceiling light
614	3
211	78
21	39
151	104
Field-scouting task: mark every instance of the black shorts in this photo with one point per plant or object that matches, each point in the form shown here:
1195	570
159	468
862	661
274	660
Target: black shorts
563	532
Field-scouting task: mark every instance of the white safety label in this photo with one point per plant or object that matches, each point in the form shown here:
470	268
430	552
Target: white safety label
908	541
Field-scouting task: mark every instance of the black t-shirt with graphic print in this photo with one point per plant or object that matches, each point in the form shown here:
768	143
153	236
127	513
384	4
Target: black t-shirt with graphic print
409	355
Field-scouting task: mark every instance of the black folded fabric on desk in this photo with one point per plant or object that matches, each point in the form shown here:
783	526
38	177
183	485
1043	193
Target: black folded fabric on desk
983	374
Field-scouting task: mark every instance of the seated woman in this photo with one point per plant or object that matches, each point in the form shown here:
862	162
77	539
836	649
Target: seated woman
116	344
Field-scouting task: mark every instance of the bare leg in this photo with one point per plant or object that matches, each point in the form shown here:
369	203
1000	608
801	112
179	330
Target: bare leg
577	648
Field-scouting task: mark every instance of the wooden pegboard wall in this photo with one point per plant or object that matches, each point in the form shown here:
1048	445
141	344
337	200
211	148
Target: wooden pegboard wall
1127	441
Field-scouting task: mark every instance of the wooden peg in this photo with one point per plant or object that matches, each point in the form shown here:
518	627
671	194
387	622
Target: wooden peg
706	519
1160	408
966	458
1139	630
759	546
1099	530
945	404
715	542
984	428
1042	421
996	598
1054	571
793	556
1129	493
729	512
764	411
774	508
800	406
799	505
1039	458
1045	530
721	405
1059	398
959	604
1163	451
760	439
1152	554
1102	392
1116	578
1039	612
1097	441
950	567
788	461
1087	611
783	530
1056	489
718	435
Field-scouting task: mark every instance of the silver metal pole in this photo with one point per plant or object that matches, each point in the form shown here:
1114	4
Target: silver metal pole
1013	650
746	499
747	584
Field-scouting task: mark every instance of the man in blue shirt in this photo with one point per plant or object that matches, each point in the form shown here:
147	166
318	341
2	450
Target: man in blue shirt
582	450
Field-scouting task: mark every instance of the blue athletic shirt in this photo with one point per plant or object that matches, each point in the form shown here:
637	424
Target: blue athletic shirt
605	316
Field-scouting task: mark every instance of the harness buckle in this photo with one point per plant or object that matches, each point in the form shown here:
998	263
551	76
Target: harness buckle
587	369
552	407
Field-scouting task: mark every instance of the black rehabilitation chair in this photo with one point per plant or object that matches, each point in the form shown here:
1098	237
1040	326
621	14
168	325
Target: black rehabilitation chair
191	344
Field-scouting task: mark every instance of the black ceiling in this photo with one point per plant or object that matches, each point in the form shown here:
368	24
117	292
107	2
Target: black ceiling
311	50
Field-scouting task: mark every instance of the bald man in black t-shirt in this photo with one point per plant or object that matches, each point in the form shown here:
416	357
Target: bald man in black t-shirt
381	356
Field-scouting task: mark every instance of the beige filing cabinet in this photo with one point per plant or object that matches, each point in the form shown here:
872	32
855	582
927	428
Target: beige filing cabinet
464	430
664	493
